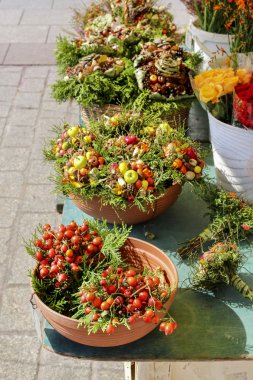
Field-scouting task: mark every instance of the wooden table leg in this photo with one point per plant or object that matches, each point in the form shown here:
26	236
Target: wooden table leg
129	370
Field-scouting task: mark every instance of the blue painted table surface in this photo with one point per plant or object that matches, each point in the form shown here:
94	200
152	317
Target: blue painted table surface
210	326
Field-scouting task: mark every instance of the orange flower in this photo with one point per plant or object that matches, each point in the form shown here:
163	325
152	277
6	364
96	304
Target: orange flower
216	7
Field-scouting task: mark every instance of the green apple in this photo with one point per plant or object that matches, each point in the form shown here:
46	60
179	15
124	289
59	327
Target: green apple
87	139
73	131
80	162
130	176
65	145
123	167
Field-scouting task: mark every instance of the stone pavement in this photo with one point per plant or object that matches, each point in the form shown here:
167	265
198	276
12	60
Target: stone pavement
28	29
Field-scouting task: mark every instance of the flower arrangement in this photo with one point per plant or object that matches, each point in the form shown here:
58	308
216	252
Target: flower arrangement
214	89
219	265
111	33
162	72
81	273
231	218
136	167
97	79
232	17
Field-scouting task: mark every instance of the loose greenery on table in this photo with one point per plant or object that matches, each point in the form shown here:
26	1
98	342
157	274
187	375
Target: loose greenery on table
219	265
230	218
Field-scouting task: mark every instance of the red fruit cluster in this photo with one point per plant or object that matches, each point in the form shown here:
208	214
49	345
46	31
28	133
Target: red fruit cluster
126	296
168	327
64	253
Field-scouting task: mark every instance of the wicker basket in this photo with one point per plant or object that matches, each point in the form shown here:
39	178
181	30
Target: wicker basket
132	214
139	254
177	117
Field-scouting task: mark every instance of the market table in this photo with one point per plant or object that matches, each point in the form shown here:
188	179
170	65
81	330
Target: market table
211	326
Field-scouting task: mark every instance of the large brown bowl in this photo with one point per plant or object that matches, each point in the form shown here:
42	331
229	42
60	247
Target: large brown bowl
132	214
139	254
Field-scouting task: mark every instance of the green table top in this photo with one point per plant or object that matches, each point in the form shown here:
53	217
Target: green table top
210	326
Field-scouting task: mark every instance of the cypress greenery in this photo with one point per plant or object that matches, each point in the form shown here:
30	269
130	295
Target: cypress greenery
220	265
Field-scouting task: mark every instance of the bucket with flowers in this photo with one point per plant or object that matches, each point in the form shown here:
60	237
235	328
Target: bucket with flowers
220	26
231	141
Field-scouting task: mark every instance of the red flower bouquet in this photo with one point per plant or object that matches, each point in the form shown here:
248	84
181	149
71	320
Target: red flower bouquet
243	104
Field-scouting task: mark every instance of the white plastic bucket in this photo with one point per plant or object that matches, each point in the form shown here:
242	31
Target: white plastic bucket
233	157
206	42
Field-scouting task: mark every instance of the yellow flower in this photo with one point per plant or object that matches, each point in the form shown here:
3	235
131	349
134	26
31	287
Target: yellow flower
210	92
244	76
229	84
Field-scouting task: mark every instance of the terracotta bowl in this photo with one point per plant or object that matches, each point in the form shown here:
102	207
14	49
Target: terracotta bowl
131	215
138	253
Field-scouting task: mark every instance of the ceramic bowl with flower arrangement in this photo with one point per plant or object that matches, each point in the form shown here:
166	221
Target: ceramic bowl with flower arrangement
133	177
98	287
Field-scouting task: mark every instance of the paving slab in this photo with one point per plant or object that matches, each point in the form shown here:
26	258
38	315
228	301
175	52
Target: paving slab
39	172
30	54
10	79
27	99
13	159
10	16
18	137
23	116
32	85
36	198
4	108
26	4
36	72
7	93
2	125
3	52
22	263
71	3
8	208
23	348
108	370
11	186
23	34
48	372
46	17
16	310
11	370
5	237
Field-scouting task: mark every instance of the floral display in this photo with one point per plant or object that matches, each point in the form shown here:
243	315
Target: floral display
162	69
220	265
232	17
80	272
137	166
212	86
97	79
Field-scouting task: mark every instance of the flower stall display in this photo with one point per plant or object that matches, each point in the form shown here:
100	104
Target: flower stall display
230	218
219	265
129	172
97	286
